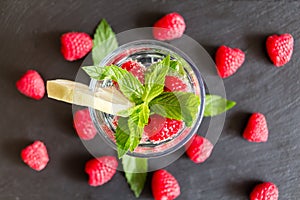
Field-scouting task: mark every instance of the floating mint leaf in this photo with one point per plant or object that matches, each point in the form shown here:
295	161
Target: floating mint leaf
135	172
104	42
215	105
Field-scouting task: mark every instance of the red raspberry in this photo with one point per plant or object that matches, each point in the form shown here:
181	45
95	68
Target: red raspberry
200	149
164	186
32	85
115	121
169	27
280	48
109	133
136	69
84	125
160	128
228	60
75	45
173	83
35	155
101	170
256	129
264	191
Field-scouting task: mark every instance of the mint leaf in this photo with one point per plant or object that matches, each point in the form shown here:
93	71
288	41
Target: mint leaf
135	172
95	72
178	67
122	136
104	42
130	130
177	105
126	113
144	114
155	79
137	121
128	136
136	131
129	85
215	105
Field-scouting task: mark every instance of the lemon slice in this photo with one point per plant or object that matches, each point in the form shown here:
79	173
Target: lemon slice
108	100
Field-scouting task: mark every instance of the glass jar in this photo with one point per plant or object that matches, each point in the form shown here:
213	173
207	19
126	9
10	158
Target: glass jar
148	52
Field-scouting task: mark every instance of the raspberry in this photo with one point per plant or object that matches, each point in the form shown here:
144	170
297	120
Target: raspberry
164	186
101	170
108	131
200	149
160	128
256	129
115	121
32	85
75	45
280	48
135	69
169	27
264	191
228	60
84	125
35	155
172	83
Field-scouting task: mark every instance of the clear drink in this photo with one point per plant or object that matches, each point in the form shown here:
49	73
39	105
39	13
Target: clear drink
148	52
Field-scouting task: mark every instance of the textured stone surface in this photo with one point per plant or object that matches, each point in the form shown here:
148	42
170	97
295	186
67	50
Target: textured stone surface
30	32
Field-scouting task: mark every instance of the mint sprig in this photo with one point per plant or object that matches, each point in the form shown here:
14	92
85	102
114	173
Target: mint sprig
215	105
104	42
175	105
135	172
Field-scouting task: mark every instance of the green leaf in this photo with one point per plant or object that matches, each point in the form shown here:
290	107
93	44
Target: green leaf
155	79
122	136
136	131
177	67
177	105
137	121
215	105
135	172
144	114
129	85
126	113
130	130
104	42
95	72
126	137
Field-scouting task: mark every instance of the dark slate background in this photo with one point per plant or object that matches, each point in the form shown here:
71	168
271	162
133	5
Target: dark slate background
30	32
